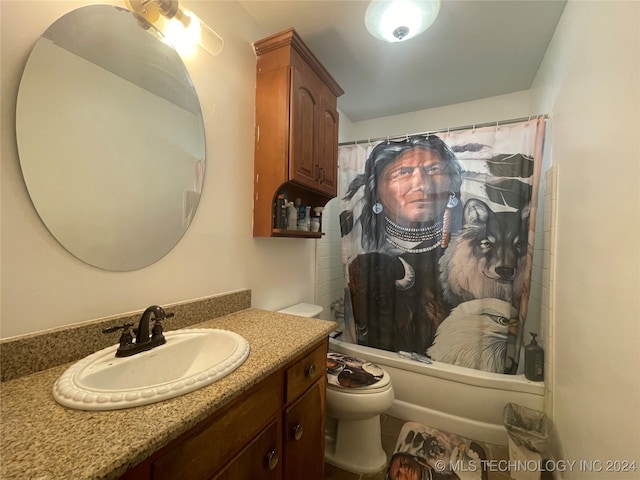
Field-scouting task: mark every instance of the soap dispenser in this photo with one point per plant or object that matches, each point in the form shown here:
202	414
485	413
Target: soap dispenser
534	360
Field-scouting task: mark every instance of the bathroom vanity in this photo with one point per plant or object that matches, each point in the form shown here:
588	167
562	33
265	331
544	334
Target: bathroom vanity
273	431
265	420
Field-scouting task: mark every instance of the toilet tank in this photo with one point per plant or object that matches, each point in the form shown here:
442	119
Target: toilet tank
303	310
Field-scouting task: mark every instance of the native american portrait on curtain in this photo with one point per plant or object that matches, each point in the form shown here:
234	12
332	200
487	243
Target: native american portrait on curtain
437	234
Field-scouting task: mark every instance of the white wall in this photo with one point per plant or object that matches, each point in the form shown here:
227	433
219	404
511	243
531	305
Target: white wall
590	80
492	109
43	286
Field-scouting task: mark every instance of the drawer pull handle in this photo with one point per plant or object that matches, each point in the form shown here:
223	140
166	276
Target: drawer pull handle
311	370
272	459
297	432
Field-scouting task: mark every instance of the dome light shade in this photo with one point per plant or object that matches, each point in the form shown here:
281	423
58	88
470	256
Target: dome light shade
400	20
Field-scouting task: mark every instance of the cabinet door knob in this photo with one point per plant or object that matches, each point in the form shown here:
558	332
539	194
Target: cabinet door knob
272	459
311	370
298	431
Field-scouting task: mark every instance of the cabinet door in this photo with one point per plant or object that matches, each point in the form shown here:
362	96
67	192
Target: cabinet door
328	148
260	460
304	436
218	439
303	167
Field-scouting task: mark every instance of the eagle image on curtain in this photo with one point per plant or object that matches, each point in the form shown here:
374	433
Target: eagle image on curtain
437	240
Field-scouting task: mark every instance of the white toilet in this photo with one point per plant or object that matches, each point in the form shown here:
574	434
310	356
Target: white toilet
357	393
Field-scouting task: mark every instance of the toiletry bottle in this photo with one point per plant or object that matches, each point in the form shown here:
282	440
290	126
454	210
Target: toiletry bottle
534	360
302	215
318	213
279	211
292	216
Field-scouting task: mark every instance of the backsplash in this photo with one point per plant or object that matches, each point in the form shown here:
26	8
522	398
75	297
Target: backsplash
32	353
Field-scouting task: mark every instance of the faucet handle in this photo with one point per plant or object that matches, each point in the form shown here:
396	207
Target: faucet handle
156	331
126	338
164	316
115	328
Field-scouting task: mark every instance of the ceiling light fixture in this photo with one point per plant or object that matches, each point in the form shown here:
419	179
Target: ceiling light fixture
400	20
181	27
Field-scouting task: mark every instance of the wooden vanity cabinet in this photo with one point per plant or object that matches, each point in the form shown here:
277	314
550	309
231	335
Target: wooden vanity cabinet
296	137
303	435
274	431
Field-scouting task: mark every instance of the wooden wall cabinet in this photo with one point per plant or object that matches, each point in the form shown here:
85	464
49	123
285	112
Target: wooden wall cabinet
296	137
274	431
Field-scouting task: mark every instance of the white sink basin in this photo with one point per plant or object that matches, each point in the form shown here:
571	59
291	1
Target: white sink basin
191	359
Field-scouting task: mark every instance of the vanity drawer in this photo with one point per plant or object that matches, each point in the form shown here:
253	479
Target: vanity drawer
212	445
309	369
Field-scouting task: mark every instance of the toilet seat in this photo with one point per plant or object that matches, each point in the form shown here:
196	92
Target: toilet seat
383	384
349	374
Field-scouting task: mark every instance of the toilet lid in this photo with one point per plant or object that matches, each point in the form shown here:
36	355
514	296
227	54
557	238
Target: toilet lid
355	374
303	310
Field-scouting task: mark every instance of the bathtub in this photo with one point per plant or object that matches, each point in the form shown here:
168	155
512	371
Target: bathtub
459	400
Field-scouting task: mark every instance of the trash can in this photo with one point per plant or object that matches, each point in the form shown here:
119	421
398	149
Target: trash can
528	434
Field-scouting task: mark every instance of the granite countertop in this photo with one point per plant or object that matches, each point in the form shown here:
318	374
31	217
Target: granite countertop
41	439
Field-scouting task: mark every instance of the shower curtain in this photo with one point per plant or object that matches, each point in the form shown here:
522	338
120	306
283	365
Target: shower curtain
453	286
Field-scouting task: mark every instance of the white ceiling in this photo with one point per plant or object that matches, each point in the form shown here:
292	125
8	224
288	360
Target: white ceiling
475	49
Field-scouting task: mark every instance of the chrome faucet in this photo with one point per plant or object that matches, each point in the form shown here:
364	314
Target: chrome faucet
143	341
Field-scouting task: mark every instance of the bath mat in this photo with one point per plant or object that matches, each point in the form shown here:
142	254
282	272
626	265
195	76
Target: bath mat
425	453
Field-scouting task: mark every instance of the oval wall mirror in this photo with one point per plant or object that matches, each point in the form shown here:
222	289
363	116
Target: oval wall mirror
110	137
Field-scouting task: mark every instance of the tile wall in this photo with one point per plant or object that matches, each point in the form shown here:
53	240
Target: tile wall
330	281
547	318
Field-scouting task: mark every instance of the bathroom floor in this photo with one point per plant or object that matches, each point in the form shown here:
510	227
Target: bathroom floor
390	429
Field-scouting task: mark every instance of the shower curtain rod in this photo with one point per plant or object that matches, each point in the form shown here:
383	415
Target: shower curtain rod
444	130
